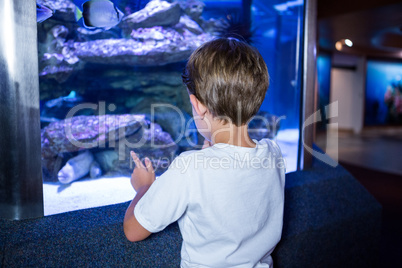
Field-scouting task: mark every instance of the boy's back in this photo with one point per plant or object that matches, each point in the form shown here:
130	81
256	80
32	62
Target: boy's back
227	198
228	201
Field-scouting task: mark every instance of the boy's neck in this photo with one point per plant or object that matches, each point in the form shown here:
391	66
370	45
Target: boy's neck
233	135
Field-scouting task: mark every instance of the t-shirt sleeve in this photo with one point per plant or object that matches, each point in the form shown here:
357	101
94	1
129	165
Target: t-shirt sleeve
280	162
165	201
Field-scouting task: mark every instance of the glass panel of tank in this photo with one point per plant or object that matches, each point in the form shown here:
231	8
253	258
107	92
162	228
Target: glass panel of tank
110	82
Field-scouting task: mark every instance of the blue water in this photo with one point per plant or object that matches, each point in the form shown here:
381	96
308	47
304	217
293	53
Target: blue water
131	89
324	83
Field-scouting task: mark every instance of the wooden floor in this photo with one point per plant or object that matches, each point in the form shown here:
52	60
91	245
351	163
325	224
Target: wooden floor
374	158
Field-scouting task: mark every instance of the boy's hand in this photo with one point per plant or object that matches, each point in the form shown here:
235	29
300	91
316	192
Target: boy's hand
142	175
206	144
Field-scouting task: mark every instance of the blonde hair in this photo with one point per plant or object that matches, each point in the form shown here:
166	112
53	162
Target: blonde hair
229	77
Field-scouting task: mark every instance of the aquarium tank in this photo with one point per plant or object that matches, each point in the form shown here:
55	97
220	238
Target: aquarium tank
110	82
383	102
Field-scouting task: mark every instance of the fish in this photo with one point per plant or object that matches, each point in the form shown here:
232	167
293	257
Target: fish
45	119
71	98
43	13
98	14
287	5
95	170
76	168
56	109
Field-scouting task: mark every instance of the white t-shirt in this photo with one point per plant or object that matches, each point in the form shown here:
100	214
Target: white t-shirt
228	201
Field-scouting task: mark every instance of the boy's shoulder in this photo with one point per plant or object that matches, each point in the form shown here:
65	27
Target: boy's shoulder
193	158
186	159
222	148
222	155
191	155
271	144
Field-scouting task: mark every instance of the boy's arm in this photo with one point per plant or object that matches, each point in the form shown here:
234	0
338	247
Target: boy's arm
132	228
141	179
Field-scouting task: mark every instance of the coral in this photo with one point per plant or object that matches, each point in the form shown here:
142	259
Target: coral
118	133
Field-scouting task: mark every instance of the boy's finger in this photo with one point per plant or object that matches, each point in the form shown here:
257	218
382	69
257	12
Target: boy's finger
136	160
148	163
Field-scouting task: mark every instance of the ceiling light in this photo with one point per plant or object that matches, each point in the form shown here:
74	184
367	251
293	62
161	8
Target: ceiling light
338	45
348	43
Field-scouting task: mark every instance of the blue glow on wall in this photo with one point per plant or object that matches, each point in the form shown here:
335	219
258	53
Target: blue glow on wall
324	83
383	104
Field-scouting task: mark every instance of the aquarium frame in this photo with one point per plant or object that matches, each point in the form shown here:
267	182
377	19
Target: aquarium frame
21	186
308	104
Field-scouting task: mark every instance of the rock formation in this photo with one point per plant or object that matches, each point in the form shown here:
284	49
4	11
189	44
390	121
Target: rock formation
159	34
117	134
155	13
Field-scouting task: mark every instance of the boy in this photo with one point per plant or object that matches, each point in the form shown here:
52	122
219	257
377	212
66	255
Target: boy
228	197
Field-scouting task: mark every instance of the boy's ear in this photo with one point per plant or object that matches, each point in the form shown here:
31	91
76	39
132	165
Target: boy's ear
199	108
